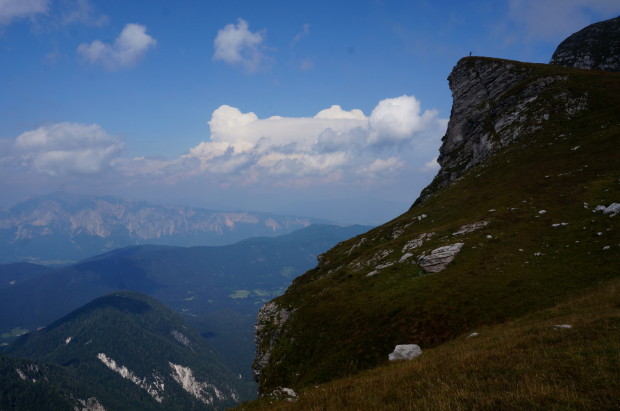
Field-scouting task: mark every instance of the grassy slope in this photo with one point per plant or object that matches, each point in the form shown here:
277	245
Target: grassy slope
522	364
346	322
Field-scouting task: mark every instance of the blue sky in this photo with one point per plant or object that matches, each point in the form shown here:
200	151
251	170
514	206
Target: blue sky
331	109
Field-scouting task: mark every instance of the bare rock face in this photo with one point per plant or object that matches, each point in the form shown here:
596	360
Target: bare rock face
490	112
267	332
439	258
596	47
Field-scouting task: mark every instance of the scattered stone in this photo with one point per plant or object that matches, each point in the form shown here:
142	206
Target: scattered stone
599	233
491	210
405	352
355	246
574	149
382	266
285	393
489	236
472	335
370	274
404	257
563	327
468	228
542	212
606	247
439	258
612	209
415	243
585	205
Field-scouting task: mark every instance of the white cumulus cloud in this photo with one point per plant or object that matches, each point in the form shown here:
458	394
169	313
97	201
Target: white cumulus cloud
67	148
15	9
128	49
236	45
335	141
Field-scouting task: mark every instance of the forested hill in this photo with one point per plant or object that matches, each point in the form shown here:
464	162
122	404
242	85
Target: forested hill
129	351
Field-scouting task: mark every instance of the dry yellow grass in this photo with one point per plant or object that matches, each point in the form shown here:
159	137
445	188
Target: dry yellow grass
524	364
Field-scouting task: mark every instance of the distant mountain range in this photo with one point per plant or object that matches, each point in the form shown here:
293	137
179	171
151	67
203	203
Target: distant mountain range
126	351
63	227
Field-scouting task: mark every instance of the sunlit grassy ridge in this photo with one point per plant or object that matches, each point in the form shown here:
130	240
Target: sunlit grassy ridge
345	322
522	364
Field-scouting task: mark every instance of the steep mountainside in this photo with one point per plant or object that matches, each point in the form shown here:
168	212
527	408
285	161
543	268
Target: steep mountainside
131	352
523	214
595	47
11	274
63	226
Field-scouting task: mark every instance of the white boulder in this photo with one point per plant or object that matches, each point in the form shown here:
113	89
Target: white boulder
405	352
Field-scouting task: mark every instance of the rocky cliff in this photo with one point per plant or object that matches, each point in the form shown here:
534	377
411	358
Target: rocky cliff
493	107
596	47
505	228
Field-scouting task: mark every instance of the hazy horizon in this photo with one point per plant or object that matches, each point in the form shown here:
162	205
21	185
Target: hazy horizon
327	110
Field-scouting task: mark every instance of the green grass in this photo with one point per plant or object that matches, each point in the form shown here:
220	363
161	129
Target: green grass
15	332
345	322
522	364
240	294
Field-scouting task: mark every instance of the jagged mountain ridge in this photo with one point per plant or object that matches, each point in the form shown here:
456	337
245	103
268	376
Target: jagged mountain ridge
129	351
508	226
63	226
596	47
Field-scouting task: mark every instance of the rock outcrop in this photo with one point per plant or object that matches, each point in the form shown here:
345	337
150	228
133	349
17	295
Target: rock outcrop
267	332
439	258
596	47
495	104
405	352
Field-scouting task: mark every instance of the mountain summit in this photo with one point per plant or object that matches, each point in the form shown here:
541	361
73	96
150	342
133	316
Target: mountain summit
595	47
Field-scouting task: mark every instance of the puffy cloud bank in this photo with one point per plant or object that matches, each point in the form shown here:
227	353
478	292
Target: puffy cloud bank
335	141
67	149
128	49
334	146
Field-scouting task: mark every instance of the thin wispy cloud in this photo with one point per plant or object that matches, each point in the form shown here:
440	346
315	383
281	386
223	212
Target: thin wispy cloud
16	9
553	20
81	11
301	35
128	49
237	45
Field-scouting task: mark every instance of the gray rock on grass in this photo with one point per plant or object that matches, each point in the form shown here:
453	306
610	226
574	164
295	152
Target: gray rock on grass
439	258
405	352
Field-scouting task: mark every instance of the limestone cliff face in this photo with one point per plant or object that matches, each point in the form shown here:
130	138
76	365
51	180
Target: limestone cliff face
495	104
596	47
267	332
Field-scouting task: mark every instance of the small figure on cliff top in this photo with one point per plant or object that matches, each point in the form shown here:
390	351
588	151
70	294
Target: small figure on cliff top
470	54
